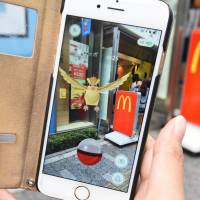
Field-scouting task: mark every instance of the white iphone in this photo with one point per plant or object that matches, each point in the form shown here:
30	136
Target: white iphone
108	63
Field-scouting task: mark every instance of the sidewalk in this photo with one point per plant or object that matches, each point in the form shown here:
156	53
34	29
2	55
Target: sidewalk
68	166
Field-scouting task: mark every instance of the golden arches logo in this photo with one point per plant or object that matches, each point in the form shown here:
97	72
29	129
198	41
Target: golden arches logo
124	100
195	59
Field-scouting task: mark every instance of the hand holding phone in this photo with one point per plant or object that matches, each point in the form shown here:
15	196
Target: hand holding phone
162	167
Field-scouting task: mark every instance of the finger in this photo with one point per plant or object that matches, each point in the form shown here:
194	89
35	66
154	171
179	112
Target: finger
4	195
145	169
146	162
167	166
147	159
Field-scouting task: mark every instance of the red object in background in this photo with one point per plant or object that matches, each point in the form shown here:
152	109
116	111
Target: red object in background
78	71
125	107
89	158
78	101
190	107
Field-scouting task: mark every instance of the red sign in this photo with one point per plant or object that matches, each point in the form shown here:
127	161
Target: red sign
125	107
190	107
78	71
77	103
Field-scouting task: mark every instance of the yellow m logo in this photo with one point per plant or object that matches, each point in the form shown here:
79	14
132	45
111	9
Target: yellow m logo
124	101
195	59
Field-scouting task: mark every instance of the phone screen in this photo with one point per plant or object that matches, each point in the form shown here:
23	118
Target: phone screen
102	88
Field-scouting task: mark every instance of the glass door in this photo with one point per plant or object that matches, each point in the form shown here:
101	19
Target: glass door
108	70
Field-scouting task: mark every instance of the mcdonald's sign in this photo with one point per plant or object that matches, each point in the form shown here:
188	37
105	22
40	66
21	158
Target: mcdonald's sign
190	107
124	101
124	114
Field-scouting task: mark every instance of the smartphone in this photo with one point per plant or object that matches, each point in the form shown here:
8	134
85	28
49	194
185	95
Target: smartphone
108	62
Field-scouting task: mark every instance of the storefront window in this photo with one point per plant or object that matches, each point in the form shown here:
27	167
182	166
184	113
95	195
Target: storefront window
104	51
81	57
103	83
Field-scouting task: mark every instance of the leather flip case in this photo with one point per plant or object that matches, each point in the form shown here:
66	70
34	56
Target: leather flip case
24	85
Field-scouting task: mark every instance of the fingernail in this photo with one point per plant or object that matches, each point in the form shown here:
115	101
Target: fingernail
179	127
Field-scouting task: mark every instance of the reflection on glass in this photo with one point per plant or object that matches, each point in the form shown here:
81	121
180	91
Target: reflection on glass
17	30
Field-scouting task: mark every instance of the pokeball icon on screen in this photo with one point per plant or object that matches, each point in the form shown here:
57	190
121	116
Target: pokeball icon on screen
89	152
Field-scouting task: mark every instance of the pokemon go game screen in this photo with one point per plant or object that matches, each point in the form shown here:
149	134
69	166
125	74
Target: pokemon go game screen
102	88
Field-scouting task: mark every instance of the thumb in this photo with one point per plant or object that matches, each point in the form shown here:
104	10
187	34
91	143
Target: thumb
167	165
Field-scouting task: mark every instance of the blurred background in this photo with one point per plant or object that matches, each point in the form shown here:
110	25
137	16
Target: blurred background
179	91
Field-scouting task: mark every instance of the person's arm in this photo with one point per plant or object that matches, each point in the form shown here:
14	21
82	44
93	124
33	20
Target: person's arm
161	175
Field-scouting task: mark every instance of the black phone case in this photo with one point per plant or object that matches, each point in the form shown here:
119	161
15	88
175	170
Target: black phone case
157	80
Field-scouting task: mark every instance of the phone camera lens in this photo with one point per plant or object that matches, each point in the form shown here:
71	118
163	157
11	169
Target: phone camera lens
117	1
98	6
